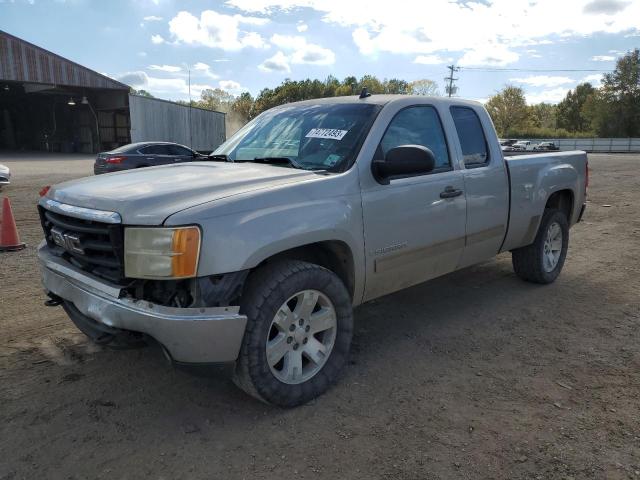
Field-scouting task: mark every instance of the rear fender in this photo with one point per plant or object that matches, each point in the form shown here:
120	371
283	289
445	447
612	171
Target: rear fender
533	181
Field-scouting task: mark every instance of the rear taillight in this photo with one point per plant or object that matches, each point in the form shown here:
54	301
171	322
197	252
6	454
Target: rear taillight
115	159
44	190
586	180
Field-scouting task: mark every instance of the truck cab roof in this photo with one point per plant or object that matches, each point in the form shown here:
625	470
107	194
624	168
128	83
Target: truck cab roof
384	99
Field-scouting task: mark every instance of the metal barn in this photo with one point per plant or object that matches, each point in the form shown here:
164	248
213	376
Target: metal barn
49	103
154	119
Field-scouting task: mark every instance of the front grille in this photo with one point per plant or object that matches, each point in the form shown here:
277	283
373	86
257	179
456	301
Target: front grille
97	247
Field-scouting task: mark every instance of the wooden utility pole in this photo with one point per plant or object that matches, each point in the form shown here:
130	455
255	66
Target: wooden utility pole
451	88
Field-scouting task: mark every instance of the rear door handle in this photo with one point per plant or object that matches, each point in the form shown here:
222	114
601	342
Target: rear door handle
450	192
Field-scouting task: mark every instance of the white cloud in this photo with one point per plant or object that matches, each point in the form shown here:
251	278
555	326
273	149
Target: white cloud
543	80
302	52
430	60
152	18
204	69
157	39
606	7
142	54
216	30
533	53
278	63
594	80
230	86
162	87
165	68
470	29
557	87
603	58
490	54
302	27
553	95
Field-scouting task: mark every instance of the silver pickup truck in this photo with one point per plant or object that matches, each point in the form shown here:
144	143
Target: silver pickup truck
258	256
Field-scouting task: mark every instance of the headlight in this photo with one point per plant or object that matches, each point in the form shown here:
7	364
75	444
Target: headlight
161	253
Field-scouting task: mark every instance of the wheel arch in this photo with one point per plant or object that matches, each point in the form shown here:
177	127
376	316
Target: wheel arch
562	200
334	255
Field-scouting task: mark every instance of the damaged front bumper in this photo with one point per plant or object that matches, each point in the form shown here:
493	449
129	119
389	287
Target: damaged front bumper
190	335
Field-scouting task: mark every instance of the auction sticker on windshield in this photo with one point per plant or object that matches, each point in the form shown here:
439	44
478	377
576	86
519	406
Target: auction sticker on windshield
331	133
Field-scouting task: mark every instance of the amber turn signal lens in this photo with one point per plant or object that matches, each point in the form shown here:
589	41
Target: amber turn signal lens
186	250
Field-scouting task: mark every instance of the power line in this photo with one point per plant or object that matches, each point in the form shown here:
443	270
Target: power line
495	69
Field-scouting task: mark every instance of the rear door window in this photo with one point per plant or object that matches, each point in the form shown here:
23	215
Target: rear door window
474	145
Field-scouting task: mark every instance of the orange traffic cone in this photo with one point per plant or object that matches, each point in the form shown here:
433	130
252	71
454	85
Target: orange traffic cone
9	238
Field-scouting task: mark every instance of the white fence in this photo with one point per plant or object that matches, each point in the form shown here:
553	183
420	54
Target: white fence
613	145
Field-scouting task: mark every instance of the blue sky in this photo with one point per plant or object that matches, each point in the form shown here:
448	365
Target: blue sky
246	45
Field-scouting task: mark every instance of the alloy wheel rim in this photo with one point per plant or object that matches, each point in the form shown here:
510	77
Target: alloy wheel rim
301	336
552	247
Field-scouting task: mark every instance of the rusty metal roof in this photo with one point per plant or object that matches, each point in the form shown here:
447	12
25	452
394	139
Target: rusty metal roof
21	61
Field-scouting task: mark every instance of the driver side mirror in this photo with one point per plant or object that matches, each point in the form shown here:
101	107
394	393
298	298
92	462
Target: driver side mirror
403	160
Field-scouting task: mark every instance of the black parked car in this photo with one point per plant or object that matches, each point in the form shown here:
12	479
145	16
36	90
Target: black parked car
144	154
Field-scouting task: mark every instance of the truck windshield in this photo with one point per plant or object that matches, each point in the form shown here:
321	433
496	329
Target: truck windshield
313	137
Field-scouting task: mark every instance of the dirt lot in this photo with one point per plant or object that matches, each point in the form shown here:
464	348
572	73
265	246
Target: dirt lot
474	375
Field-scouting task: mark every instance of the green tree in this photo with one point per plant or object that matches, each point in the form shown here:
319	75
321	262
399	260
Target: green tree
396	86
600	114
616	110
570	110
424	87
215	99
243	106
508	110
371	83
543	115
141	92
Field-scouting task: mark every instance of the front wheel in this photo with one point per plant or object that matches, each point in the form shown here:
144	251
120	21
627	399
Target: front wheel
298	333
542	261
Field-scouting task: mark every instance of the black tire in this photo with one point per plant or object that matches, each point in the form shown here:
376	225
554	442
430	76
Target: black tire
528	262
267	289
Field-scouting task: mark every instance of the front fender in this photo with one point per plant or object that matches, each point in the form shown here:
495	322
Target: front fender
243	239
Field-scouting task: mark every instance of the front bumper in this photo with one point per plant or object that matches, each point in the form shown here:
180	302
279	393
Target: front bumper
190	335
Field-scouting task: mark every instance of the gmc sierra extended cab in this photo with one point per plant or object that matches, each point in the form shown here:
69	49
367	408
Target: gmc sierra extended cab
258	256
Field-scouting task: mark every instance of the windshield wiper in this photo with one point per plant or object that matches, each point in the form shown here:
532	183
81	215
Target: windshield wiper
219	158
284	160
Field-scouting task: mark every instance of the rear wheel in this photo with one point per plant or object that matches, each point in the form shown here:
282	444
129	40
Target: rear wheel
298	333
542	261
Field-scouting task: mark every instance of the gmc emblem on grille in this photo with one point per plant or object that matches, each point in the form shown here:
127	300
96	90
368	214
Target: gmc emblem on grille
68	241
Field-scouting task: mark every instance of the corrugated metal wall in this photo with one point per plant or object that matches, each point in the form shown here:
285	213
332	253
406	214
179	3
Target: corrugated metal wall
153	119
22	61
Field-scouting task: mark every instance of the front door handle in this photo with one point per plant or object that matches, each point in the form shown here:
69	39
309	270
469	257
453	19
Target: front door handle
450	192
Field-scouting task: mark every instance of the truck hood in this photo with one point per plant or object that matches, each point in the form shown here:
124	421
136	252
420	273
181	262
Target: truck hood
147	196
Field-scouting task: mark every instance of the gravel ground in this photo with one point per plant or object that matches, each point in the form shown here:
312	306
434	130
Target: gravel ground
473	375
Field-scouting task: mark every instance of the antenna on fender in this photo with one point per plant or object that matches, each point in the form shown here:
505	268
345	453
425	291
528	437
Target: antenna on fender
364	93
